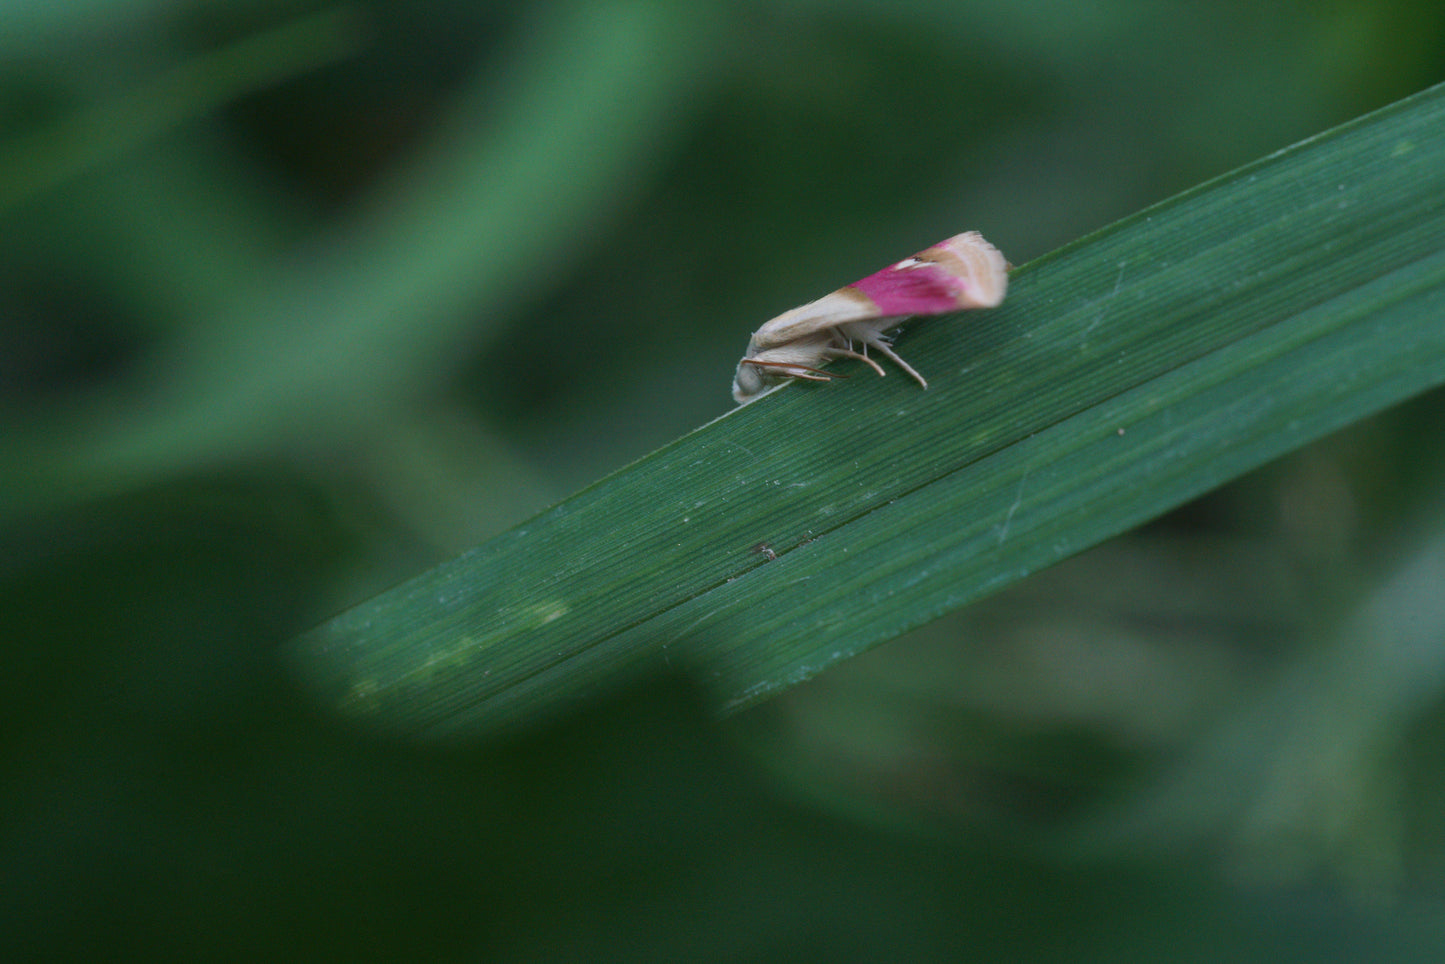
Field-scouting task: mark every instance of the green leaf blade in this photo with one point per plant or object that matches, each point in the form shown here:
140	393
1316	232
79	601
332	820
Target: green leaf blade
1125	374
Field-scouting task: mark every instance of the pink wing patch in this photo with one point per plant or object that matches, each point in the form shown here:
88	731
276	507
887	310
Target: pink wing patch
924	289
963	272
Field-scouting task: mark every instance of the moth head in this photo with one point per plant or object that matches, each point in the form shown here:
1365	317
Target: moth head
749	381
762	369
757	375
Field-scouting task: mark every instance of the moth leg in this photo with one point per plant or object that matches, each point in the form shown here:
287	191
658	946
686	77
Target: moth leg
881	343
850	353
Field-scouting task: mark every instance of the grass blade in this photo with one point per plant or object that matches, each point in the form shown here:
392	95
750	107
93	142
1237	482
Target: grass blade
1126	374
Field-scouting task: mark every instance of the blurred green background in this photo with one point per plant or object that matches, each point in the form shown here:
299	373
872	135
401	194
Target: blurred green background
298	299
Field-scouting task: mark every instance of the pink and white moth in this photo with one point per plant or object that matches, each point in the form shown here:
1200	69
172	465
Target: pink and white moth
963	272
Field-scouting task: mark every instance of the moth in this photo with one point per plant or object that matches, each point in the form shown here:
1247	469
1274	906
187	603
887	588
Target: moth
964	271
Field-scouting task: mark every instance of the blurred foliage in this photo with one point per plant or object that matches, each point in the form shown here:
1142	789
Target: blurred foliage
299	298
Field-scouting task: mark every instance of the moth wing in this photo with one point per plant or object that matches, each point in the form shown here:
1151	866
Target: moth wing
963	272
816	318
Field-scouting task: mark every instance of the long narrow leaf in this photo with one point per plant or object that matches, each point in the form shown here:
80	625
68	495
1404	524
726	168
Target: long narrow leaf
1125	375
